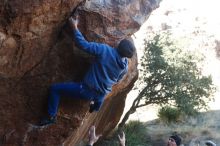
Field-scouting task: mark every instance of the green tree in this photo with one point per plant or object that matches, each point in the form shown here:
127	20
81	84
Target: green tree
171	76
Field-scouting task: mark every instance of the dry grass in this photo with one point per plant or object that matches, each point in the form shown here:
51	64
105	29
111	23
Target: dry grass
194	131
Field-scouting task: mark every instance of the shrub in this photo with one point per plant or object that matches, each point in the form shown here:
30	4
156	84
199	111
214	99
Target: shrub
169	114
136	134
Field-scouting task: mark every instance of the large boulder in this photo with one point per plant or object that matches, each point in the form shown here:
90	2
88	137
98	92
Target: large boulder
36	50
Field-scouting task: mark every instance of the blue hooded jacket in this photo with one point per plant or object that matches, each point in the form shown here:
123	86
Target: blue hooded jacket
109	67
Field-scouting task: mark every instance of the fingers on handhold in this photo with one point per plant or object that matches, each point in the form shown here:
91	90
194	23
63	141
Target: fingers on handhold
75	16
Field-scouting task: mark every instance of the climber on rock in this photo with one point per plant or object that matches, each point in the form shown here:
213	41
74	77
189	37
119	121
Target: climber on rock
109	67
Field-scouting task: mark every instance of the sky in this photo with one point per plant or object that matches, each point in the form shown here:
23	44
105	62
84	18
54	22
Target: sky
198	22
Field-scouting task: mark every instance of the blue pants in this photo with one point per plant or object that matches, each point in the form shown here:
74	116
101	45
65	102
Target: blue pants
73	90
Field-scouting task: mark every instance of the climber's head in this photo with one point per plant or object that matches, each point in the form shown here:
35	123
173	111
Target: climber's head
126	48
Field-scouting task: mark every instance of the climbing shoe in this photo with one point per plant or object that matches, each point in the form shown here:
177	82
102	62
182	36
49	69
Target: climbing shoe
47	121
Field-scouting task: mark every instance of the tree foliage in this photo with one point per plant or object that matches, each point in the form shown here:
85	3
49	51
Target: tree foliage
171	76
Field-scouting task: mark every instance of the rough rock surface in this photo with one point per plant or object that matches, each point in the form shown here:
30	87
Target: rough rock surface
36	50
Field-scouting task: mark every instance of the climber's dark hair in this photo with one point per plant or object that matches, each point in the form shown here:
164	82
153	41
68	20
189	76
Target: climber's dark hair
126	48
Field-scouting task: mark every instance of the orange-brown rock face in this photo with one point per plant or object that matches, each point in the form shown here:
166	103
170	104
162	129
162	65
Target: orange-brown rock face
36	50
